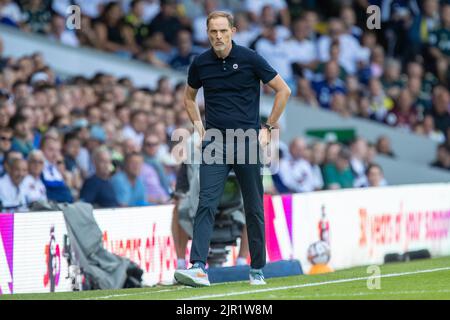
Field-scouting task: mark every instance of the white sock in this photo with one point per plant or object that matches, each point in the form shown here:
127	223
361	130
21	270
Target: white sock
181	263
241	261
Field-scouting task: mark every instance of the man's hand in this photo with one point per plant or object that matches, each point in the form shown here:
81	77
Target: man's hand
264	137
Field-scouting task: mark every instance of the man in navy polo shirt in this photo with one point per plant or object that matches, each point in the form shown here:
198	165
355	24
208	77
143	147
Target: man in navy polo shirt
230	76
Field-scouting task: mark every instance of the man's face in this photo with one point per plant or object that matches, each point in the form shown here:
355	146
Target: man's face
220	33
52	150
374	176
133	166
35	165
5	140
140	122
18	171
103	164
151	145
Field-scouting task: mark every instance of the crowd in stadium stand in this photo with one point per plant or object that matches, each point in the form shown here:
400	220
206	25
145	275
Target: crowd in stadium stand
105	141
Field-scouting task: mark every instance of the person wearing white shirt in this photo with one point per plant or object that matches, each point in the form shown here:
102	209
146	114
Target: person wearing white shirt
302	51
12	195
32	185
138	125
349	55
245	33
295	171
60	33
11	10
276	54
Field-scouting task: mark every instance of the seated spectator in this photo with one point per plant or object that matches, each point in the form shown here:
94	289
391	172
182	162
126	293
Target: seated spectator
36	16
442	157
23	137
86	35
358	150
330	85
430	131
135	29
302	50
349	47
295	171
440	111
165	26
34	188
151	150
137	127
5	144
59	32
156	192
57	189
108	29
334	57
71	178
184	53
98	189
339	174
12	195
199	30
10	13
128	186
317	160
439	48
391	78
380	103
404	114
339	104
375	177
245	33
305	93
383	146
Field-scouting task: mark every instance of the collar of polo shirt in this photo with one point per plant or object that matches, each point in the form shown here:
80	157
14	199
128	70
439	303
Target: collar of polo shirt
232	53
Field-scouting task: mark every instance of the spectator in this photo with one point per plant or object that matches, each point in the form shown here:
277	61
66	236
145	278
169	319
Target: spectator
383	146
330	85
128	186
200	35
136	31
430	130
317	160
86	34
10	13
98	189
150	150
339	174
165	25
22	140
57	189
295	171
380	103
135	131
348	17
442	157
245	33
375	177
274	50
358	151
305	93
12	195
184	53
59	32
334	57
303	51
441	111
339	104
5	145
391	78
404	114
439	48
109	32
349	47
33	186
155	190
255	8
36	16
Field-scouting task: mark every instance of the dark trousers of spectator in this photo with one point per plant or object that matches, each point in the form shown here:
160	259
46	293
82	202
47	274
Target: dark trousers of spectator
212	183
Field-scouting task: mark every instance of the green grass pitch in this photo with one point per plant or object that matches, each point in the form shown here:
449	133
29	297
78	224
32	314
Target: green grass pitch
419	279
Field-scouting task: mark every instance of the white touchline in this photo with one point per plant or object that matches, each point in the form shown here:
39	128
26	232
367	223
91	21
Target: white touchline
132	294
313	284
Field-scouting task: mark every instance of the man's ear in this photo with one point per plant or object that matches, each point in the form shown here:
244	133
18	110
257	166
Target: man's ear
233	30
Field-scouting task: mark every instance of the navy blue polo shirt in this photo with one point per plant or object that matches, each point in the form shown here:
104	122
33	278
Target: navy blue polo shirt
231	86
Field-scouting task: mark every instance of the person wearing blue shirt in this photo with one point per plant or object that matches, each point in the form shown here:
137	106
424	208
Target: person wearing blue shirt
98	189
330	85
128	186
231	78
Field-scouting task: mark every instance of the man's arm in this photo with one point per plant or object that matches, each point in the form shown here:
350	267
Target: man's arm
282	93
193	110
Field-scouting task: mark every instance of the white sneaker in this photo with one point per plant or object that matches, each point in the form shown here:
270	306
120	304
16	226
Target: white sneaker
194	277
257	278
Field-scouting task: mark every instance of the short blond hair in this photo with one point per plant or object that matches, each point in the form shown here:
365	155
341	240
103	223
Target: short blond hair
220	14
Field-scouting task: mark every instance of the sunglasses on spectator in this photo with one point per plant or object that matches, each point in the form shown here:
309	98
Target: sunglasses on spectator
151	144
6	138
